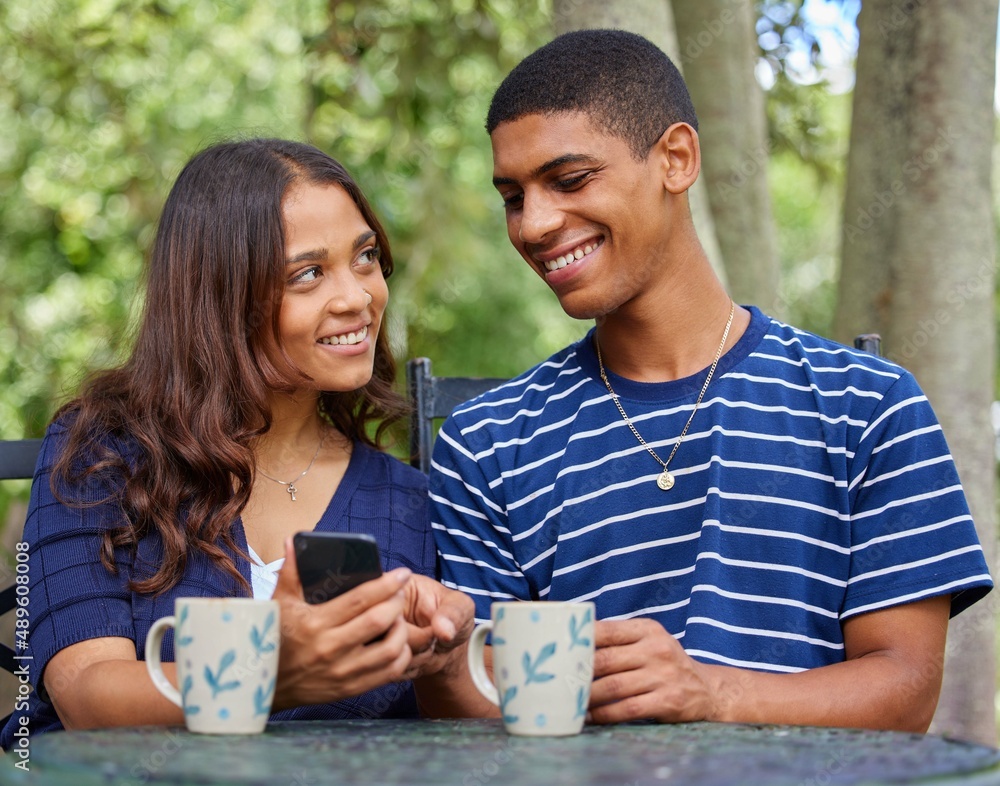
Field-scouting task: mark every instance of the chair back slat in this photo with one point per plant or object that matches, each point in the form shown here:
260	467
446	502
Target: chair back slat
869	342
433	398
18	458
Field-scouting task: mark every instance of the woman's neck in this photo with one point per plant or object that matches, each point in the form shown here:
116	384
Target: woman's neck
296	430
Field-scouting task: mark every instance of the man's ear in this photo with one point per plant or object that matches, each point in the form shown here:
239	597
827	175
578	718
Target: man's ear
679	157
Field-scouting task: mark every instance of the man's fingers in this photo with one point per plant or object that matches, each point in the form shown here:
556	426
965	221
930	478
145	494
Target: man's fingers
615	633
446	613
454	620
627	709
612	660
419	639
622	685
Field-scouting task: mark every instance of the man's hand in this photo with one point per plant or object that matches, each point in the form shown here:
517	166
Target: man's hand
439	622
890	678
641	671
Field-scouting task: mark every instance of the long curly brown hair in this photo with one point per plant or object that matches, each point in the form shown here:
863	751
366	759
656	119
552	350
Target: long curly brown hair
171	430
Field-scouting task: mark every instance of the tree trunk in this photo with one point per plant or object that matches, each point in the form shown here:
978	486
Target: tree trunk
918	263
718	45
653	19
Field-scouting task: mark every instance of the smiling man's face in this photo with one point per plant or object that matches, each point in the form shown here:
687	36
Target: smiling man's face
581	210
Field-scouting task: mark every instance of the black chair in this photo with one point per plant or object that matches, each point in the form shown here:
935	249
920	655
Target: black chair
869	342
433	398
17	462
18	457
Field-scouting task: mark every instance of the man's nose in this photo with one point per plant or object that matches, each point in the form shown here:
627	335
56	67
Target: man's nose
540	216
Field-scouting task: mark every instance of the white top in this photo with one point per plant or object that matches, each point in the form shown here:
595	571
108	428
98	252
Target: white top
263	578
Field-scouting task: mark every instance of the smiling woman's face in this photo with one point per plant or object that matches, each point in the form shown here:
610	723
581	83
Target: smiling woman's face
335	293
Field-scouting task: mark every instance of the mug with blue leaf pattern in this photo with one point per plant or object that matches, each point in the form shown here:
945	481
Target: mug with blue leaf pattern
543	665
226	651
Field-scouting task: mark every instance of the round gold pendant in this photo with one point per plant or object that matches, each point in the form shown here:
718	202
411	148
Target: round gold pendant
665	481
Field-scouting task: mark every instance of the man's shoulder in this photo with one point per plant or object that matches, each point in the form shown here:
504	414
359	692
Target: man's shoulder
789	351
556	373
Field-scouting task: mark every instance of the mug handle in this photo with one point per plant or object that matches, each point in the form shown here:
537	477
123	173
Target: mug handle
477	665
153	641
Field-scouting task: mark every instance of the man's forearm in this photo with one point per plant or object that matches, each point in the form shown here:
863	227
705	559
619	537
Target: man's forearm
891	678
450	692
877	691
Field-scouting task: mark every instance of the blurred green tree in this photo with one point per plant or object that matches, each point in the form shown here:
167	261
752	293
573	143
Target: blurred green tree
102	102
399	92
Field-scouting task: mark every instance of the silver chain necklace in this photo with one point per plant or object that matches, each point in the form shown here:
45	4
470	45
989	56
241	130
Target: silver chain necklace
666	480
290	484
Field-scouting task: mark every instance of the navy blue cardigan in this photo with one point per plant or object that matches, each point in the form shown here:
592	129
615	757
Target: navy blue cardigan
73	597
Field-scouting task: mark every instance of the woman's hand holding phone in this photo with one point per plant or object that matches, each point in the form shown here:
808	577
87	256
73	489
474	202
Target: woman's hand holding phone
327	649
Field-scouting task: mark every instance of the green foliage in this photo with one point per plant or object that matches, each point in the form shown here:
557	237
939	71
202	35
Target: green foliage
102	102
400	92
808	132
806	182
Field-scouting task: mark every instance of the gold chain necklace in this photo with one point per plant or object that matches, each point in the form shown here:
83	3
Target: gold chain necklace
290	484
666	480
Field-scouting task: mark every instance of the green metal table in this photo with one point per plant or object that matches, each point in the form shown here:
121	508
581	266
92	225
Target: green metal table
479	752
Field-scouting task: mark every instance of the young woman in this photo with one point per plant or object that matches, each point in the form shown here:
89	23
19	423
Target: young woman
244	415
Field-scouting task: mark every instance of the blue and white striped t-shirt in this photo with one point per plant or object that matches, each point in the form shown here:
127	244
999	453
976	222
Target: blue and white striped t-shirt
814	484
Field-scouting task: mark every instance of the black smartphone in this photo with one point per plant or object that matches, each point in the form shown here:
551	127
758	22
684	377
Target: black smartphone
331	563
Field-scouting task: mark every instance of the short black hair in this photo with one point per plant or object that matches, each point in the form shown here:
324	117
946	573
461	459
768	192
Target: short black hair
628	86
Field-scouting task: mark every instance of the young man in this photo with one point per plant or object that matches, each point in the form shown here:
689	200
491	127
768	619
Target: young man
770	523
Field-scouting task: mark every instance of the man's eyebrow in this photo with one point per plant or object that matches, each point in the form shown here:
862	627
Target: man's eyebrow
319	254
569	158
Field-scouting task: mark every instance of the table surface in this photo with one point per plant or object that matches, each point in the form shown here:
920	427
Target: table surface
480	752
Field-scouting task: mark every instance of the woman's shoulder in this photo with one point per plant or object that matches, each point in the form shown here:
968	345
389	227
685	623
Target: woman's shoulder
90	445
384	467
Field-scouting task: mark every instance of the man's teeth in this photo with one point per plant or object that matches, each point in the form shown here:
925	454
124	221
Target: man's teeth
572	256
347	338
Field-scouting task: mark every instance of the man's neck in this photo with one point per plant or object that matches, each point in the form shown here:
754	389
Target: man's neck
660	340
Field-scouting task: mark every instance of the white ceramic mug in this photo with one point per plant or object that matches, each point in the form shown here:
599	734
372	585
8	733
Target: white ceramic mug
226	650
543	664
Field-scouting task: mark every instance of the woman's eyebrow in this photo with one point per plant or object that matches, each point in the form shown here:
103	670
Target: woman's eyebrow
363	238
313	255
319	254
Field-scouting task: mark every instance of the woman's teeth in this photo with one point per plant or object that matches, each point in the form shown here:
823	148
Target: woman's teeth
572	256
347	338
